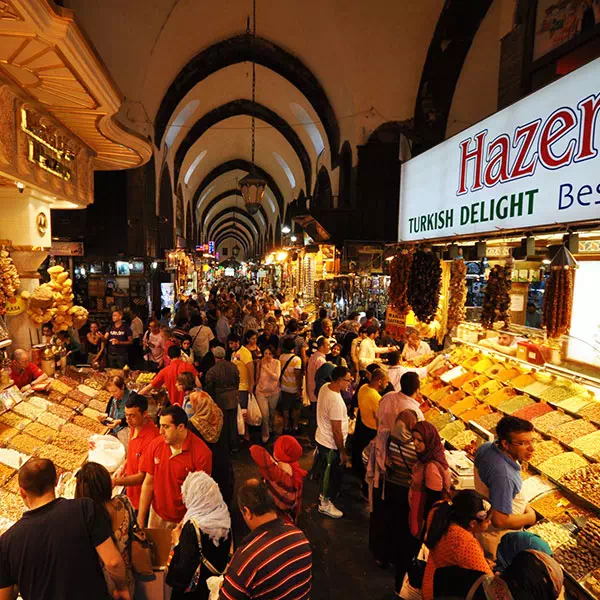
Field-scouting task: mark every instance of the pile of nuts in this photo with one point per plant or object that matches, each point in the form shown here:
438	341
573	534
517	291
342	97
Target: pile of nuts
589	536
585	482
576	560
543	451
550	505
560	465
555	535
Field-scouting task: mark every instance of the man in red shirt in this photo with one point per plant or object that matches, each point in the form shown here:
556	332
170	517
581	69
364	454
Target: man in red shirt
166	463
168	377
143	432
23	372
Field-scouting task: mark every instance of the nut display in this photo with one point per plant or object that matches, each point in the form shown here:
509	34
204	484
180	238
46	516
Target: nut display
592	583
39	402
55	396
6	473
589	536
576	560
92	414
66	460
72	383
555	535
25	443
464	439
76	431
64	412
78	397
96	383
89	424
585	482
27	410
13	419
569	432
70	443
97	405
591	412
588	444
103	396
560	465
6	433
87	390
452	430
543	451
73	404
551	504
52	421
489	422
575	404
439	420
11	506
40	432
59	386
557	394
548	422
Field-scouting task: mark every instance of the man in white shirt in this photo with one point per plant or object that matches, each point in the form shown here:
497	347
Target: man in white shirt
137	331
368	351
332	432
201	336
395	370
414	347
291	385
396	402
315	362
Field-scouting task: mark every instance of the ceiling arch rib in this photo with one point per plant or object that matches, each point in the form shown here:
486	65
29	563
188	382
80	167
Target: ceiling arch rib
243	165
228	204
244	48
246	108
231	233
223	196
241	215
247	226
241	230
224	241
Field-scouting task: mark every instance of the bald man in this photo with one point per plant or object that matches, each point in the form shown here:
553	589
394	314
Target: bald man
25	373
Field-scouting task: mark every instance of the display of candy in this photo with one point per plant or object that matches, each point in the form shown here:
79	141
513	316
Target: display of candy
452	429
103	396
25	443
551	504
555	535
39	402
557	394
27	410
68	381
543	451
464	439
55	396
39	431
50	420
591	412
575	404
560	465
78	397
588	444
571	431
548	422
532	411
576	560
59	386
87	390
584	482
490	421
589	536
6	473
13	419
11	506
592	583
62	458
90	424
515	404
95	383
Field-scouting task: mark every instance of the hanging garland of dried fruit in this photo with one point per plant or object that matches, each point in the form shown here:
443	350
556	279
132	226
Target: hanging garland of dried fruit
458	293
399	277
9	280
496	303
558	302
423	293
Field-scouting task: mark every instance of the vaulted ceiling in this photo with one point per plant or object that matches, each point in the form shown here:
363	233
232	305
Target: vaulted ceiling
327	72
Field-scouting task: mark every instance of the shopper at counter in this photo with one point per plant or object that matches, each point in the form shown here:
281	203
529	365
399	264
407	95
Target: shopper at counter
166	464
498	478
142	432
25	373
56	548
154	346
118	339
368	349
115	408
396	370
95	345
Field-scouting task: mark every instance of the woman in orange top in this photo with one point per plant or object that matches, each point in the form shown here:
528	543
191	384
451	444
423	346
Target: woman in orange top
450	536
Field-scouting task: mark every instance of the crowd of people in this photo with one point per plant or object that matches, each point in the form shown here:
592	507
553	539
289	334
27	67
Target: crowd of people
235	369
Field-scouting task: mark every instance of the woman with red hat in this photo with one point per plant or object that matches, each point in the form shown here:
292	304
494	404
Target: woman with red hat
282	474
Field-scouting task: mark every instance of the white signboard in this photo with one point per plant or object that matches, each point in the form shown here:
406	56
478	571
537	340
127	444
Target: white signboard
534	163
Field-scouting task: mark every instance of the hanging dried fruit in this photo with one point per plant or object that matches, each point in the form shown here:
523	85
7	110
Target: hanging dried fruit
400	274
9	280
558	302
423	293
458	293
496	303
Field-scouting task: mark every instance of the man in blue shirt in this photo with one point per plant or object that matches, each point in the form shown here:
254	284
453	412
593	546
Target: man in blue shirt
498	478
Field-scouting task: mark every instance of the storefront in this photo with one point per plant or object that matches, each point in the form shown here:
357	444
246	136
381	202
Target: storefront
500	230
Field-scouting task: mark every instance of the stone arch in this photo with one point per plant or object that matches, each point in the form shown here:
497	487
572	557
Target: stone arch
346	176
242	230
243	48
247	108
222	196
240	214
323	196
232	235
165	212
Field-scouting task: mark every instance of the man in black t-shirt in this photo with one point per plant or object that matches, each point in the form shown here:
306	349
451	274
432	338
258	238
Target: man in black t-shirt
118	339
54	551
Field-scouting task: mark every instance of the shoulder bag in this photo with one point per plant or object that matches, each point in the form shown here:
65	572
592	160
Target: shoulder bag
140	548
287	364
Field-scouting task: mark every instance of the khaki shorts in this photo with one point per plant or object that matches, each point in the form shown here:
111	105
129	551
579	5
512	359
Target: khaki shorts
156	522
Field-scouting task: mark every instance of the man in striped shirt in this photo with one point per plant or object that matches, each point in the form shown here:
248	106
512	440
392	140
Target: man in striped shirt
275	561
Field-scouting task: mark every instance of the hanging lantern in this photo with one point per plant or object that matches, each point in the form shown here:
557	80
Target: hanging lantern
252	188
235	251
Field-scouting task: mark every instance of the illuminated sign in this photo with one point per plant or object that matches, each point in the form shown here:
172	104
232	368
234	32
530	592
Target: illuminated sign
46	147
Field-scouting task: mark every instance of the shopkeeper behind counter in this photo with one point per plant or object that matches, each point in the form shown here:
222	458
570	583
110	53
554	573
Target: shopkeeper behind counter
505	342
23	372
414	347
498	478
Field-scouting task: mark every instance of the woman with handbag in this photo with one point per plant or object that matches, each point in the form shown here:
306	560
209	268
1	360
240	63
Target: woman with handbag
93	481
203	543
268	389
451	536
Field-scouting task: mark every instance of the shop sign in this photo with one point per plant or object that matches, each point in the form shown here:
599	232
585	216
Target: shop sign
15	306
395	323
66	249
534	163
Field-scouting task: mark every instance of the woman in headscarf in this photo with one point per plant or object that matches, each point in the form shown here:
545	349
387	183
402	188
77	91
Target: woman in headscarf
532	575
282	474
517	541
204	544
451	536
431	476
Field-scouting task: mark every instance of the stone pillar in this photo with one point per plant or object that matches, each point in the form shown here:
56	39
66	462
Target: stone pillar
25	224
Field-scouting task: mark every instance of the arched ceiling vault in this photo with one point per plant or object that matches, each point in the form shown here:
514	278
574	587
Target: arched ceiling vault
231	203
241	216
247	108
223	196
243	165
229	233
240	228
240	49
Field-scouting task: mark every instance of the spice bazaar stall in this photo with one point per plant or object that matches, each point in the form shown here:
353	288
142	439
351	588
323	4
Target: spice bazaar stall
57	108
518	236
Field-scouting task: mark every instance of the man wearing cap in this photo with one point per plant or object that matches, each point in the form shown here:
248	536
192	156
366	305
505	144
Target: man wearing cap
282	473
222	382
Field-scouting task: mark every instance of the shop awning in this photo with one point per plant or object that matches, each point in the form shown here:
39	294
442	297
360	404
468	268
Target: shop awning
316	231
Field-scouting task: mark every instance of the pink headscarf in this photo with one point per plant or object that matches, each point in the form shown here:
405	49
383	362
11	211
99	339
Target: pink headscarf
434	450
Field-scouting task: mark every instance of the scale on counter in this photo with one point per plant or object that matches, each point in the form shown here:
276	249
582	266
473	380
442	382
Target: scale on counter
462	468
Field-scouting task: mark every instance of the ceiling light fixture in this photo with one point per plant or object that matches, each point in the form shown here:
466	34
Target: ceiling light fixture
285	229
252	185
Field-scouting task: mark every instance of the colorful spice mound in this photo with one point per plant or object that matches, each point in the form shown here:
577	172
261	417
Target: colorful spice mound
535	410
546	423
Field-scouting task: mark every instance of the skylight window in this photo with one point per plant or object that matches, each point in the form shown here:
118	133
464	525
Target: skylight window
285	168
310	128
193	166
186	112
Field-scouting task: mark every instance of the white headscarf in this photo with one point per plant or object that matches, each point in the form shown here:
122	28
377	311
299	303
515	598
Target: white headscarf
205	505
